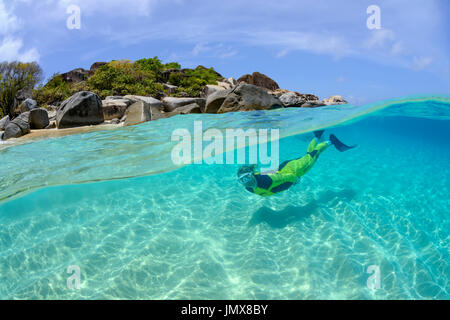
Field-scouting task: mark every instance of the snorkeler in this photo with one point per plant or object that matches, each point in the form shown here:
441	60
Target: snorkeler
289	172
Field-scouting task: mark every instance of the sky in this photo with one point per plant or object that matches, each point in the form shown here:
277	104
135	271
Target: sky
323	47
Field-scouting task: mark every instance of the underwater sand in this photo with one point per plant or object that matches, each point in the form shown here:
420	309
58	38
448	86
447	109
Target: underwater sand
195	233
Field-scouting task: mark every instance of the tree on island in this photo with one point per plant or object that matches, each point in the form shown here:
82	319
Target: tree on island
16	77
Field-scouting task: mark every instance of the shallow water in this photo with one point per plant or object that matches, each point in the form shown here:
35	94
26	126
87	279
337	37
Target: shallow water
195	233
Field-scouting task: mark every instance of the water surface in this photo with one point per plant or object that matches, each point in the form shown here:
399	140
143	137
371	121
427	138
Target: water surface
143	228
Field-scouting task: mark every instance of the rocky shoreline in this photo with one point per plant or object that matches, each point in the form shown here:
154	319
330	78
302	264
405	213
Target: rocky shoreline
85	108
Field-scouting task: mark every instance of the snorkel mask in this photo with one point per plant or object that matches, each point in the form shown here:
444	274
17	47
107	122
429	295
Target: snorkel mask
245	174
246	178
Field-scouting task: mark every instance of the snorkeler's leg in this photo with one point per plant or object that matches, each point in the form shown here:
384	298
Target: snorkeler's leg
294	165
304	164
301	166
321	147
312	145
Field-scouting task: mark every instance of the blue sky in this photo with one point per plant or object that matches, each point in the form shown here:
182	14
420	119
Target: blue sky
311	46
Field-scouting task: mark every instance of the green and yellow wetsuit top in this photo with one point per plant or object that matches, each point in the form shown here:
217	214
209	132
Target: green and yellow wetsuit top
288	173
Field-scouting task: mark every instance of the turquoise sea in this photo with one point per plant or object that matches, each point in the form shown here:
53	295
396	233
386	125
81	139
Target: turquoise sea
138	227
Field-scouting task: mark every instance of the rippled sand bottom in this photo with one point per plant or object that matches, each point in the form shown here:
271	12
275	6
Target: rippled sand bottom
36	135
196	234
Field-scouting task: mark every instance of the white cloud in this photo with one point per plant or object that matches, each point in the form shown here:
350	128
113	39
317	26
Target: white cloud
411	28
304	41
420	63
11	47
217	50
380	38
8	22
11	50
228	54
398	48
384	44
282	53
199	48
111	7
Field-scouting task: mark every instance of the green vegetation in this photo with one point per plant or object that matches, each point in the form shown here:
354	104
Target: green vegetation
54	91
155	65
143	77
193	81
122	78
14	77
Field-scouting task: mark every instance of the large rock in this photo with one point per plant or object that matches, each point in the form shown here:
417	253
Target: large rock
225	85
138	112
27	105
247	97
170	104
154	103
291	99
21	96
115	108
51	114
231	81
170	88
278	92
190	108
95	67
159	95
39	119
260	80
75	76
295	99
313	104
82	109
156	113
18	127
335	100
113	98
215	101
4	122
210	89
